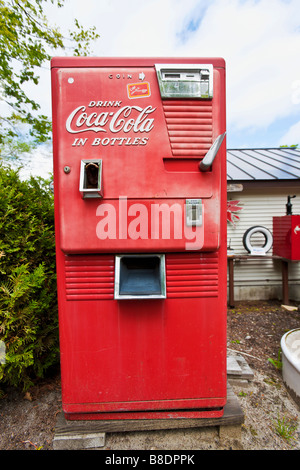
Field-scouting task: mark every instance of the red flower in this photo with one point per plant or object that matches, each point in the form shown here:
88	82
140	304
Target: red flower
232	206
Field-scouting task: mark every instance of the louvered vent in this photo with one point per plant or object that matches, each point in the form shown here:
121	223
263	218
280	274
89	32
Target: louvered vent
89	277
189	124
192	275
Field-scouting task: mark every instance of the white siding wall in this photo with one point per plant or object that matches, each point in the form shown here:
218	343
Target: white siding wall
260	279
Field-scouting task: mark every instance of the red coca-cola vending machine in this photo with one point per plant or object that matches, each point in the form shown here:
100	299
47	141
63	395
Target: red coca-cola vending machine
140	210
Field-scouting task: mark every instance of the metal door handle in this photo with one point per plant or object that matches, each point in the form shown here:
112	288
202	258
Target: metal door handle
207	161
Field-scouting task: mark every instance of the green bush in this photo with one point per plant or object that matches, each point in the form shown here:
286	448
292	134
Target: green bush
28	299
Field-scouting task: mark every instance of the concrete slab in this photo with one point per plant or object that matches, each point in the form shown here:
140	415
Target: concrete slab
238	368
78	441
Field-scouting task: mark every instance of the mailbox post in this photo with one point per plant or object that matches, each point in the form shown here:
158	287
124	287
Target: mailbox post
140	213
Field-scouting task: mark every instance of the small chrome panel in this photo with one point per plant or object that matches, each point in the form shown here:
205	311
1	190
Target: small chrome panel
193	212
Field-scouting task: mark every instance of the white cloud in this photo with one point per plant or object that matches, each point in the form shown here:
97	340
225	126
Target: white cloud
259	39
292	136
133	27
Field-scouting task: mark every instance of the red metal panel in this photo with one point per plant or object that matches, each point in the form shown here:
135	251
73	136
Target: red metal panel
115	62
216	412
157	355
152	220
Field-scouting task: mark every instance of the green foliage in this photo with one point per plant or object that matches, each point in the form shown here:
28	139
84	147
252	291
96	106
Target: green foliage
289	146
286	428
277	363
28	305
26	43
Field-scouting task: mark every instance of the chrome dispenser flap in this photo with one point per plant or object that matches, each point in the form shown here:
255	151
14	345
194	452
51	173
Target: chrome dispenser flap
185	80
140	276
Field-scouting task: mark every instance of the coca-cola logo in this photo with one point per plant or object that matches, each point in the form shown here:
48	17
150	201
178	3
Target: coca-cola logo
125	119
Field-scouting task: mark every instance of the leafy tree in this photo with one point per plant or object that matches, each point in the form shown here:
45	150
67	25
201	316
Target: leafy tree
28	297
294	146
26	40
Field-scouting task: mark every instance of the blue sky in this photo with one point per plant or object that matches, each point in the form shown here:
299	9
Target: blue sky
259	39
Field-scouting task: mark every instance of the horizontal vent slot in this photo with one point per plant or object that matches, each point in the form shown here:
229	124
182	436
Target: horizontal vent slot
89	277
192	275
189	125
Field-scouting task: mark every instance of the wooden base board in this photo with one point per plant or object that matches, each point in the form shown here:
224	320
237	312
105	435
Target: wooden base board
90	434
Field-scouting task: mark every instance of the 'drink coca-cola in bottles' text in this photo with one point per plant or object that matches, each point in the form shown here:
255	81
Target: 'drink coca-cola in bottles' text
125	119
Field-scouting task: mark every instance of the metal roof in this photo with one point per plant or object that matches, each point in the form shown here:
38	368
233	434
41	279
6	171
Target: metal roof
263	164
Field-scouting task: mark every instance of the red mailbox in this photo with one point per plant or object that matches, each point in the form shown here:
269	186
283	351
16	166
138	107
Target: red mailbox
140	210
286	237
